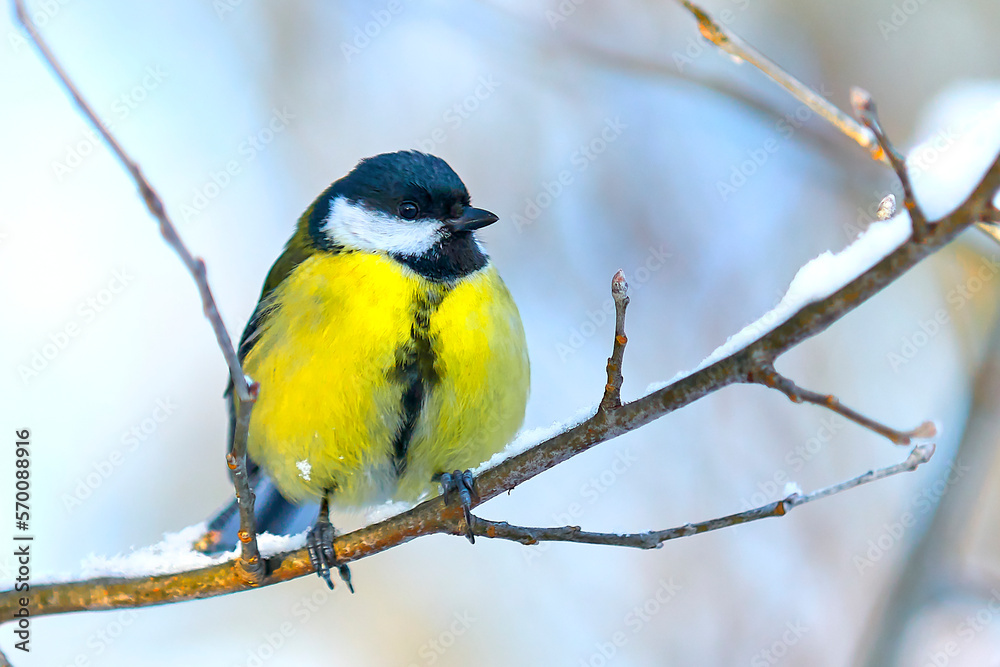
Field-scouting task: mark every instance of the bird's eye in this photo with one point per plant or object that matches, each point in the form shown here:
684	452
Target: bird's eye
408	210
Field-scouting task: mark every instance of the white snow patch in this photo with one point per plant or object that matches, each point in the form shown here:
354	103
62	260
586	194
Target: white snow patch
173	554
305	468
529	438
818	279
269	544
389	509
961	138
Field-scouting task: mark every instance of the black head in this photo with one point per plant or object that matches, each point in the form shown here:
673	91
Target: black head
384	182
409	205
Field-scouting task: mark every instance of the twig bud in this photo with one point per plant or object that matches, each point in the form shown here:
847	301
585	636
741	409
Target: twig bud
619	286
886	208
861	101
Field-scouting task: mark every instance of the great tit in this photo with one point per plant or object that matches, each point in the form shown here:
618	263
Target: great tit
389	353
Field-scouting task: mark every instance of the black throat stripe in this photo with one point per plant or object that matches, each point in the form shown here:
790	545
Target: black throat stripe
414	369
456	256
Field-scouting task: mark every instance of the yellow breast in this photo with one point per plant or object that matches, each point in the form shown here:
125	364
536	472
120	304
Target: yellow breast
337	358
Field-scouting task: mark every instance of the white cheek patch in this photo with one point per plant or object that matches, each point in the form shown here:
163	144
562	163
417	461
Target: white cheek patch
357	227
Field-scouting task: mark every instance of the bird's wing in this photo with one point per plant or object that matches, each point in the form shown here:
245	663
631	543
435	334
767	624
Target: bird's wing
273	511
290	258
294	254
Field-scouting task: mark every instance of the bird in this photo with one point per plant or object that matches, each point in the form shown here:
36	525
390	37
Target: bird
390	355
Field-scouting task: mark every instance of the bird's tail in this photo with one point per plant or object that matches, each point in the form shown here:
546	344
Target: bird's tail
274	514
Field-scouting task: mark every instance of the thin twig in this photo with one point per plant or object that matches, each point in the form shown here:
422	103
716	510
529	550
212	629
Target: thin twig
769	377
737	47
195	265
613	389
864	107
653	539
920	454
648	540
236	460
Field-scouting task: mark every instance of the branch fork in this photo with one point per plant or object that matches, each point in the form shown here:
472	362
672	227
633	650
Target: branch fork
864	107
864	134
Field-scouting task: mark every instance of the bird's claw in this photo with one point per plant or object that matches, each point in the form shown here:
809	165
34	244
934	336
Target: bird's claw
463	484
319	543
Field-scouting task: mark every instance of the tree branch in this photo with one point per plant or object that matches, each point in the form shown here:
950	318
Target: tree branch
738	48
653	539
250	559
769	377
866	137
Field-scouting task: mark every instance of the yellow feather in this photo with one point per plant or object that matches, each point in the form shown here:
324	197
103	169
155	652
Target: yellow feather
330	406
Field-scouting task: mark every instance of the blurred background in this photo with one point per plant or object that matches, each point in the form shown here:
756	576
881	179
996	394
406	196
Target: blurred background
706	183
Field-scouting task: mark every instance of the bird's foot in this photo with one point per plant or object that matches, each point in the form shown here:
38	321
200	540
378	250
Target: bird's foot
319	542
464	485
